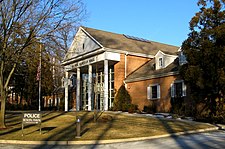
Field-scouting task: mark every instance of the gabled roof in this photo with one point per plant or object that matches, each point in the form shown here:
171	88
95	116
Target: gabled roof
122	42
147	71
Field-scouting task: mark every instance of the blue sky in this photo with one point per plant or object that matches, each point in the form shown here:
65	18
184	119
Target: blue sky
165	21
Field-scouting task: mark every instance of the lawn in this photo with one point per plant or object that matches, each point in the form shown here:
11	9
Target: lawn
110	125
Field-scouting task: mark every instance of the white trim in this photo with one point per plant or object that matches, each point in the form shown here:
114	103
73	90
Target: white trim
148	92
130	53
91	37
175	56
184	89
172	90
158	92
83	56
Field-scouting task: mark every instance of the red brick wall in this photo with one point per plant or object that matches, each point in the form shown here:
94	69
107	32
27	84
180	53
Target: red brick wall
138	92
119	72
134	62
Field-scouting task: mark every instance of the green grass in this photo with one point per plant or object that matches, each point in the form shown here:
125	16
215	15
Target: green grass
62	126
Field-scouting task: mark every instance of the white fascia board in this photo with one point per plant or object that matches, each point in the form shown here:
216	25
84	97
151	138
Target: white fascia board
129	53
165	54
180	49
112	56
83	56
89	35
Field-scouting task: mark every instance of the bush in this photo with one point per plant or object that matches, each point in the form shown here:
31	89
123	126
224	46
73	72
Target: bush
178	106
122	100
132	108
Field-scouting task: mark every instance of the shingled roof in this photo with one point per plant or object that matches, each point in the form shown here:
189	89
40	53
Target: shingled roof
147	71
123	42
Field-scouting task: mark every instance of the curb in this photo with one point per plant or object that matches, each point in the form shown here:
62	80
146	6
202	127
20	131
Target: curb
90	142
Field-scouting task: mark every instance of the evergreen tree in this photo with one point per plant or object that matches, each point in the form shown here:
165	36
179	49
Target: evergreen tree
122	100
205	52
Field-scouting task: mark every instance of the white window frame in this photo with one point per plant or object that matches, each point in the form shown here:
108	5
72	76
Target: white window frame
184	88
149	92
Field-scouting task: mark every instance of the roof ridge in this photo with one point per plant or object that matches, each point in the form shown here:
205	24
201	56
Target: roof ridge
114	40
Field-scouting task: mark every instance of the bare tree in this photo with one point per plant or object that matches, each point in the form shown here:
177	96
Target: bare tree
25	22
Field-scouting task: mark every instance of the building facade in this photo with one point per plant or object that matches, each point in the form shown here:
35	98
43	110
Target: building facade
100	62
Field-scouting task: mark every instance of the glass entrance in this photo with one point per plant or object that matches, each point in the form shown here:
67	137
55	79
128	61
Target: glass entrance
99	78
97	89
84	103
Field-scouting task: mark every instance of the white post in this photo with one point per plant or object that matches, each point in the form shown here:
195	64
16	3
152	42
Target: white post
66	91
106	84
110	88
89	86
78	91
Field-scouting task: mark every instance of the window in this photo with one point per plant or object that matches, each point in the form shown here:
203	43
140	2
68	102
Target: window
153	91
160	62
83	46
178	89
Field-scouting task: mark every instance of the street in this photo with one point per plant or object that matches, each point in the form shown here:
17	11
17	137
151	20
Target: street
214	139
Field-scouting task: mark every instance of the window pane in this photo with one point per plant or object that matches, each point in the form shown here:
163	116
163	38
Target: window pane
160	62
178	89
154	91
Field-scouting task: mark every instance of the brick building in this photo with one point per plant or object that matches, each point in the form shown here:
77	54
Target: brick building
100	62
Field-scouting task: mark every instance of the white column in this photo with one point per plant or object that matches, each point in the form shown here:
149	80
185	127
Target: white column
110	88
106	84
89	86
66	91
78	91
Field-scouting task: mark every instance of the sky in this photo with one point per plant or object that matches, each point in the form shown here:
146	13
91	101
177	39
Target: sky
165	21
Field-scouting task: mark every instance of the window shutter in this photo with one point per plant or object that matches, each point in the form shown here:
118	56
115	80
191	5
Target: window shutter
184	88
158	91
172	90
149	92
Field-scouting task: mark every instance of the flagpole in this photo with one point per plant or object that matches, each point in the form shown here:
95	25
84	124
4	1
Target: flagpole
39	84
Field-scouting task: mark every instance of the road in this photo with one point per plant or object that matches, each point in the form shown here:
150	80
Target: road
196	141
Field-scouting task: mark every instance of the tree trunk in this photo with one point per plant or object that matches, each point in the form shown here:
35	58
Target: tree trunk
2	114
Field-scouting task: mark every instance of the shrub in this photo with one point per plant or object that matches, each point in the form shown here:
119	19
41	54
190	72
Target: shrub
122	100
132	108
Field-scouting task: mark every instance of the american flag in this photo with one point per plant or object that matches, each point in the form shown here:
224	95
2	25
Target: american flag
38	72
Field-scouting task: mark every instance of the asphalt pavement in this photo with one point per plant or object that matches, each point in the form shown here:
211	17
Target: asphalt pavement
213	139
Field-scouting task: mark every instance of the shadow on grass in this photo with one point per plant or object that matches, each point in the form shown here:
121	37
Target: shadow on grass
18	125
67	134
110	124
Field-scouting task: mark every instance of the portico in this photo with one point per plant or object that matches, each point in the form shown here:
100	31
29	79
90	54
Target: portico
93	75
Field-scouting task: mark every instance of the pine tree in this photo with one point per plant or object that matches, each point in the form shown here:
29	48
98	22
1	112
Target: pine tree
122	100
205	52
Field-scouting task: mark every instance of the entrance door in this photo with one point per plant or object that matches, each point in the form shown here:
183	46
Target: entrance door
84	92
99	90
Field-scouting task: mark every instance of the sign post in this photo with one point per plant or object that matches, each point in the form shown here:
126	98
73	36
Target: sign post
31	118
